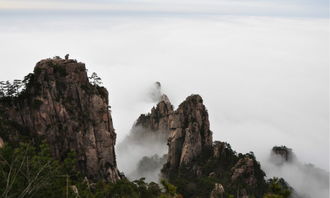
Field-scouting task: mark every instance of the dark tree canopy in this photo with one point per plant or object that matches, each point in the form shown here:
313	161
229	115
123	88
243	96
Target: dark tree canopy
95	79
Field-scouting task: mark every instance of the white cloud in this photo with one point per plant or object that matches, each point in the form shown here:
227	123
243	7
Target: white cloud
307	180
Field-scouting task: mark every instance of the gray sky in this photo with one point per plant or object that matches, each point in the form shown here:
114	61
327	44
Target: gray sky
292	8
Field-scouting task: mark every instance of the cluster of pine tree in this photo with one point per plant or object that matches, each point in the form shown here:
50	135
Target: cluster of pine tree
28	171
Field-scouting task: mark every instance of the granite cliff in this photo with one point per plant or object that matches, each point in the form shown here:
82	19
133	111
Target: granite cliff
60	105
190	133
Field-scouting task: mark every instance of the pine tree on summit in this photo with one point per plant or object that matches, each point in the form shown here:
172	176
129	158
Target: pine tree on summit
95	79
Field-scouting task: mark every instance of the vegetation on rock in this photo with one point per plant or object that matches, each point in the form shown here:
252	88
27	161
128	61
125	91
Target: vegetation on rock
30	171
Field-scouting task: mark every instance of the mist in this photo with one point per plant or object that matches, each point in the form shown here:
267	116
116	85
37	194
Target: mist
264	80
142	154
307	180
143	151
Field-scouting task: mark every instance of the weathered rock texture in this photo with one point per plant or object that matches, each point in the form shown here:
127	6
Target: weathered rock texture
151	128
190	133
157	119
60	105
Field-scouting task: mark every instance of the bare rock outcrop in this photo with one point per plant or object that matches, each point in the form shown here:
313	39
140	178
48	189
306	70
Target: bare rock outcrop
61	106
154	125
190	133
157	119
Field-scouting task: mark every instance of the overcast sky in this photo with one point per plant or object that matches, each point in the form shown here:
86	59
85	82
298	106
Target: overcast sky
262	67
292	8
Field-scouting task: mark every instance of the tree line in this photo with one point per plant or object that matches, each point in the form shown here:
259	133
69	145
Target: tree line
14	88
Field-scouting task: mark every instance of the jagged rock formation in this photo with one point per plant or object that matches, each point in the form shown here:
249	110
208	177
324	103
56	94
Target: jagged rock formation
154	125
157	119
62	107
193	155
190	133
148	135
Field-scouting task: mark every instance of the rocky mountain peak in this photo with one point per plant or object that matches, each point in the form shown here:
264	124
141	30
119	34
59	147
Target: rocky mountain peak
192	114
193	155
61	71
157	119
190	134
71	114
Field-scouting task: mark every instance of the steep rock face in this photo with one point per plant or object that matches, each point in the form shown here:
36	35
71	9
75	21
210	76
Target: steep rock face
155	125
190	133
157	119
60	105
